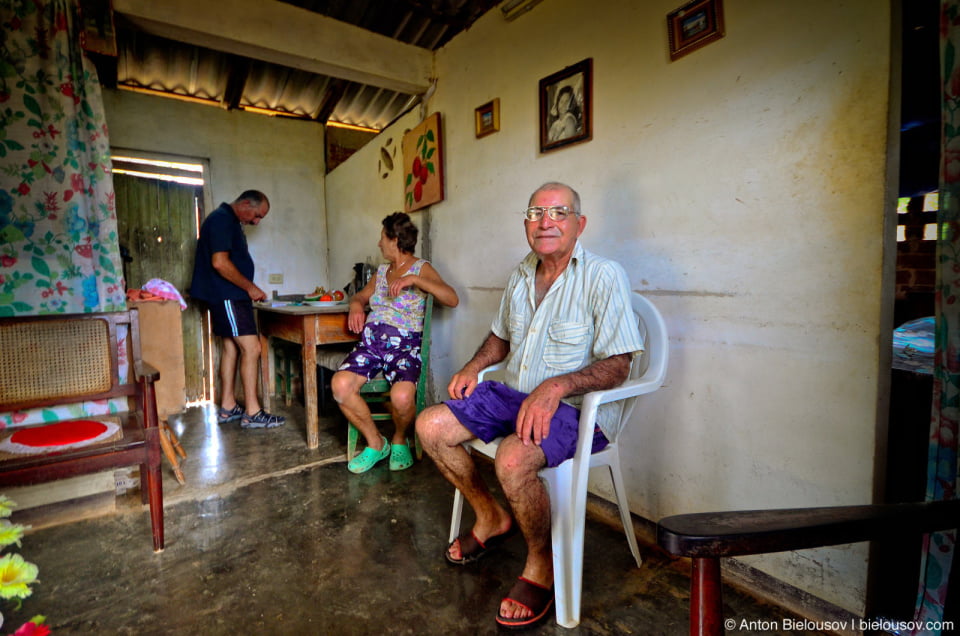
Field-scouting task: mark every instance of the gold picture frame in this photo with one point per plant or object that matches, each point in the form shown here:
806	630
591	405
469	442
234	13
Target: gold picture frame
694	25
487	118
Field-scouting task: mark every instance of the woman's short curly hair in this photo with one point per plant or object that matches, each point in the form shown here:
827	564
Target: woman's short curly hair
399	226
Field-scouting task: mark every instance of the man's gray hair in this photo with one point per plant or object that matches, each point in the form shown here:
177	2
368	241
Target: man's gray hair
556	185
253	197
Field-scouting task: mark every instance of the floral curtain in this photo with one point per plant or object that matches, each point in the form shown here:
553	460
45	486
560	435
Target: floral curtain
943	473
59	251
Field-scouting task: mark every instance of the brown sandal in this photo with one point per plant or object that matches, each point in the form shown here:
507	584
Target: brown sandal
473	549
533	596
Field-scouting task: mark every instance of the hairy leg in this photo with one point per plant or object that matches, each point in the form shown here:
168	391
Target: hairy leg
345	386
517	467
249	347
441	436
228	372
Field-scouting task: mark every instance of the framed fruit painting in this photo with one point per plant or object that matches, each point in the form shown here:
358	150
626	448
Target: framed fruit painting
423	164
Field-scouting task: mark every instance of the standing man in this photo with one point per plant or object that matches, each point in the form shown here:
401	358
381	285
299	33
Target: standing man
565	327
223	279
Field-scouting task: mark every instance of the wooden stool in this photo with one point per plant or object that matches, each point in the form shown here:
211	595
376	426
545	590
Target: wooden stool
288	367
706	537
171	448
329	358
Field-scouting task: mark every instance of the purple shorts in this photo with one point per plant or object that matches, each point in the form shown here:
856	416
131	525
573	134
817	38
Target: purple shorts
232	318
491	412
388	349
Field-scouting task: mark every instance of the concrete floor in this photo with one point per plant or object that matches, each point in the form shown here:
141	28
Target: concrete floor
268	537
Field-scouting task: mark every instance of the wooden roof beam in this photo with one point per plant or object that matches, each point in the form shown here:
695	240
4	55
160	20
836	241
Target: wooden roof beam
283	34
239	70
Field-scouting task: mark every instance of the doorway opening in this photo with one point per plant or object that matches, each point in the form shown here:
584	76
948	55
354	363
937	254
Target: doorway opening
160	202
896	564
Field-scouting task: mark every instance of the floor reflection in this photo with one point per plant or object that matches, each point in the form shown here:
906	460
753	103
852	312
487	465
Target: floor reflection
269	537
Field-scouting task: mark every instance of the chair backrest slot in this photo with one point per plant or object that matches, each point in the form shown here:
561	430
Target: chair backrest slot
651	365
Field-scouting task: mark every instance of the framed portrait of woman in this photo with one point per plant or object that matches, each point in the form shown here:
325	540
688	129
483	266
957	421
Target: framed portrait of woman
566	106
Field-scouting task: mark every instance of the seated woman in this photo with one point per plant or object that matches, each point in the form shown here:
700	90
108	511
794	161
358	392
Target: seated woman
390	342
568	116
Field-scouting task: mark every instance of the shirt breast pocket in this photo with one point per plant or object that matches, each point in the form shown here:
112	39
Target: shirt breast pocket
567	345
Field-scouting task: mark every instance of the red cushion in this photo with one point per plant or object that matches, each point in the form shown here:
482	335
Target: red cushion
59	434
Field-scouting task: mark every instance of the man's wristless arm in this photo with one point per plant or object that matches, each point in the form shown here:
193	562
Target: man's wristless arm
493	350
602	374
225	267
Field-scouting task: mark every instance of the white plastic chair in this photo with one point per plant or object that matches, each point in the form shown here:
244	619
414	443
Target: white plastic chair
567	483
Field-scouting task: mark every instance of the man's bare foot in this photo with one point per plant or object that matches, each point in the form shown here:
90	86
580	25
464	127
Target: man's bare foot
537	572
527	603
509	609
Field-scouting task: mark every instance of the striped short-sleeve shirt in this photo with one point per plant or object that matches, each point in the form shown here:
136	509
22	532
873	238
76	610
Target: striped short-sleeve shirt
585	316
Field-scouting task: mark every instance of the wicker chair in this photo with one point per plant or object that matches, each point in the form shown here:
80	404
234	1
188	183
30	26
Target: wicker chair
47	361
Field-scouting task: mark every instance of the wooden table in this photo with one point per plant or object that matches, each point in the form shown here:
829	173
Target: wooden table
309	326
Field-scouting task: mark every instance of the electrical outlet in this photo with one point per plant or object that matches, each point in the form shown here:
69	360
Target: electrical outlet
276	279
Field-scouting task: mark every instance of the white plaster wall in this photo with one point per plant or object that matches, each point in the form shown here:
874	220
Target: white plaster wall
283	158
360	192
742	187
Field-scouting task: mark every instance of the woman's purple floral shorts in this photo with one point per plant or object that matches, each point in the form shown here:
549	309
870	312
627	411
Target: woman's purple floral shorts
385	348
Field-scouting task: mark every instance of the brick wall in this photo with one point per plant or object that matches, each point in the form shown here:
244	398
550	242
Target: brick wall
916	264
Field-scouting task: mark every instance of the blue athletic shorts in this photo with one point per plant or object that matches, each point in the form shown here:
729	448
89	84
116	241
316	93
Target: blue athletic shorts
388	349
232	318
491	412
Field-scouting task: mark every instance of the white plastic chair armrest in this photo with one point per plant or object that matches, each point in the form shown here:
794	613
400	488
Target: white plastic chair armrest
491	369
630	388
588	419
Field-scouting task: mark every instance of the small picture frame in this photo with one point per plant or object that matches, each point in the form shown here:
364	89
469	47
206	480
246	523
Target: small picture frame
566	106
694	25
487	118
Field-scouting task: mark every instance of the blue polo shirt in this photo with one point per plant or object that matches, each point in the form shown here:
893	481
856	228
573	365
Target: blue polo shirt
221	231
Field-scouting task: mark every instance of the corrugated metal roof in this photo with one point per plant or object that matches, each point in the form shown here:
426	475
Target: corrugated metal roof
147	61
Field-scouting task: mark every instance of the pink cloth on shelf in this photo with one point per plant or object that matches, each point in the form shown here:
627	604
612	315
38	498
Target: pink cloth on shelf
163	289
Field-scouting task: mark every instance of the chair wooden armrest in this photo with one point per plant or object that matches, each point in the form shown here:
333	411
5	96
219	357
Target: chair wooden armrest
706	537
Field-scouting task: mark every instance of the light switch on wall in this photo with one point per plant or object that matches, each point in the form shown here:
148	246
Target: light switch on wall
276	279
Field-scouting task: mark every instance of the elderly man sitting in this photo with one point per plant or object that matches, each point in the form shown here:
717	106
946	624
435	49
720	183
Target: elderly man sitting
566	328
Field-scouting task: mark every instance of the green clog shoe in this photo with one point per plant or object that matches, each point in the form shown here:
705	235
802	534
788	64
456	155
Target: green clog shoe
400	457
369	458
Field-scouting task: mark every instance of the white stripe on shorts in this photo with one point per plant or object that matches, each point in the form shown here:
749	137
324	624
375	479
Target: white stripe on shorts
231	317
